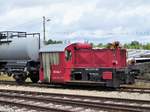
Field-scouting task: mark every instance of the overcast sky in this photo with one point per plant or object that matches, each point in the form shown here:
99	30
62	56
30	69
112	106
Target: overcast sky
94	20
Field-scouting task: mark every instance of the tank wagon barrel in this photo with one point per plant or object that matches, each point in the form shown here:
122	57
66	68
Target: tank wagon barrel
19	54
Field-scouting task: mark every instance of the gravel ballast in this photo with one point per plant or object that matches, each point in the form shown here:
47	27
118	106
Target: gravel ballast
114	94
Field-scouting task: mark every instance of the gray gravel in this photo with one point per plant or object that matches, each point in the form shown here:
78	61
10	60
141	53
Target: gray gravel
8	108
114	94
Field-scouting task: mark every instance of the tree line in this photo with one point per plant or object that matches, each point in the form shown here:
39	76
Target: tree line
137	45
50	41
131	45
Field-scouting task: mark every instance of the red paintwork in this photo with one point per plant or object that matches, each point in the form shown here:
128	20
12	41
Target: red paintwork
41	74
83	56
97	57
107	75
83	46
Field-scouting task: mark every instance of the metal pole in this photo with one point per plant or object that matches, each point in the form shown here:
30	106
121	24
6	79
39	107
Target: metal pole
44	28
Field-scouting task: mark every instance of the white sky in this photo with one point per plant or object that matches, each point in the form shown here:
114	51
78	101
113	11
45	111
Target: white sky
94	20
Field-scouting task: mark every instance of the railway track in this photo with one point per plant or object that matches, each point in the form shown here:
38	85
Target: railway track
70	103
135	90
130	89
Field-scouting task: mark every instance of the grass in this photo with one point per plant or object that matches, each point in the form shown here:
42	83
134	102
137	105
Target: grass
7	78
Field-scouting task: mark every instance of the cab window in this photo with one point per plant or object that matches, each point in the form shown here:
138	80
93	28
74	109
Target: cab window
68	55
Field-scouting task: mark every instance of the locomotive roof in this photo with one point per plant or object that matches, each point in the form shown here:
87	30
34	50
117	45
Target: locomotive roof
54	48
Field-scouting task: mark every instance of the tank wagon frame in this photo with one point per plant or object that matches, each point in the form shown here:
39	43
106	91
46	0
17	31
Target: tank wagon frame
81	64
16	56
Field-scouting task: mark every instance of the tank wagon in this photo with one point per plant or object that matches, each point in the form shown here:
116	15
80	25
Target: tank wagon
79	63
19	55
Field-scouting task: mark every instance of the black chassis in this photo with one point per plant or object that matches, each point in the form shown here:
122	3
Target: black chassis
20	70
119	76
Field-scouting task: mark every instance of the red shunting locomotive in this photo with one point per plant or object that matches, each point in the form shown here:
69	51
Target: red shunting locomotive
79	63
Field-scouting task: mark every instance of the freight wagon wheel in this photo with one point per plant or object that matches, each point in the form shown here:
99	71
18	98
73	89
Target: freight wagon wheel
20	82
34	77
20	78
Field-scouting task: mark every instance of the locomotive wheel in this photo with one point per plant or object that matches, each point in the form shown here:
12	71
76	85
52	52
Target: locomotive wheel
34	77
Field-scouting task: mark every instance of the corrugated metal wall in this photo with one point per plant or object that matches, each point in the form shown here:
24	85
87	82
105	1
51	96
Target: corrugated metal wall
48	60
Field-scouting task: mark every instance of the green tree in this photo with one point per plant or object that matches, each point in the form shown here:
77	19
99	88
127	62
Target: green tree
50	41
100	45
127	46
135	45
146	46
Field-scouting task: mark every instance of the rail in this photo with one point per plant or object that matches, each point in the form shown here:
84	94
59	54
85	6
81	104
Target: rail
65	102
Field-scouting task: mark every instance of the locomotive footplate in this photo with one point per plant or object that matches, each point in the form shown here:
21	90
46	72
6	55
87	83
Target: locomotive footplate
98	76
86	83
